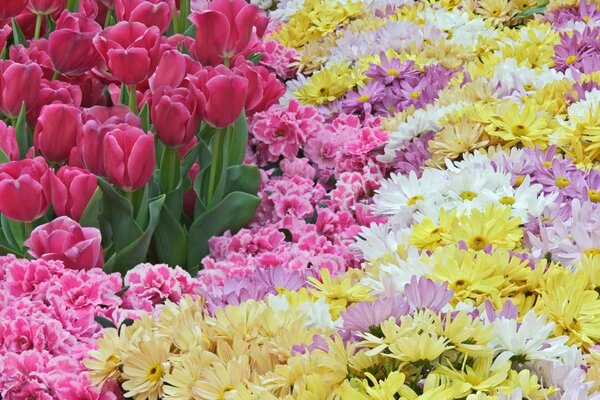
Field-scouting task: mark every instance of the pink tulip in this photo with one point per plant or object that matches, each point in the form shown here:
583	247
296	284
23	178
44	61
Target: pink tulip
128	155
5	32
65	240
224	29
71	46
24	189
72	189
98	122
45	7
10	8
57	130
149	12
36	52
174	115
221	95
264	89
130	49
8	141
19	83
170	70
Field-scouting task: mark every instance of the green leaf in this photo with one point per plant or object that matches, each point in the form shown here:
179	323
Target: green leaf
242	178
169	173
239	140
7	230
119	213
23	140
190	31
104	322
184	12
124	95
3	157
139	200
206	132
122	291
255	58
135	252
532	11
235	211
170	239
145	116
18	36
89	217
126	322
287	233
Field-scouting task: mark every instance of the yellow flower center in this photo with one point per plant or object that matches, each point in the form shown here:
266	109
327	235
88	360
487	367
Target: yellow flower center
154	373
594	251
507	200
460	284
571	60
415	95
226	389
594	196
448	33
478	243
547	164
392	72
586	19
519	130
562	182
364	98
413	200
468	195
519	180
112	359
528	86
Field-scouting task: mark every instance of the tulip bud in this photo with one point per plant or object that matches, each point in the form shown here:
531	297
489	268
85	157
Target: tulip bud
174	115
45	7
71	47
98	122
19	83
72	189
10	8
8	141
149	12
65	240
224	29
221	95
24	189
5	32
128	155
57	130
130	49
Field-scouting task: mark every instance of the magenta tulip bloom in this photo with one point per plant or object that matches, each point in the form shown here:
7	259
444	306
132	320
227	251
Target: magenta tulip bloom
170	70
8	141
128	155
65	240
149	12
221	95
5	32
71	47
19	83
130	49
24	189
72	189
45	7
10	8
57	130
224	29
174	115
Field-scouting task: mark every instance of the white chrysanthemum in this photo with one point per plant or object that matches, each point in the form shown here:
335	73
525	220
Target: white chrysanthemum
477	159
380	239
401	194
263	4
467	34
527	341
444	19
580	110
317	315
286	8
278	303
422	121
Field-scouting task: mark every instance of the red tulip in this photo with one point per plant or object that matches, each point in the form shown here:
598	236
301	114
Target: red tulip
55	92
221	95
130	49
45	7
10	8
36	52
19	83
71	46
5	32
170	70
174	115
24	189
8	141
72	189
57	130
149	12
65	240
224	29
98	122
128	155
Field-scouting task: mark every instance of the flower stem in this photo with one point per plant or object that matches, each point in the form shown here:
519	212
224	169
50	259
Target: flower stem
133	99
108	15
38	26
56	75
215	164
28	229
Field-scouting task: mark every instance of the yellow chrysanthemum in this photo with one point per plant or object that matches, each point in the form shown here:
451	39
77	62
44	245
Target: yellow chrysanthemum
327	85
144	367
524	125
339	292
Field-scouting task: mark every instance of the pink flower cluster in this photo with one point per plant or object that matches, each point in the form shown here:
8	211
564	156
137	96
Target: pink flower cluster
47	321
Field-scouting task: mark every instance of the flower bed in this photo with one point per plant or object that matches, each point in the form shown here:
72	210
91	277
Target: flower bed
322	199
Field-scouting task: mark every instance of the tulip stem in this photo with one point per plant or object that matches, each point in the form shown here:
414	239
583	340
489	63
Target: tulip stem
133	99
56	75
38	26
108	15
215	163
28	229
